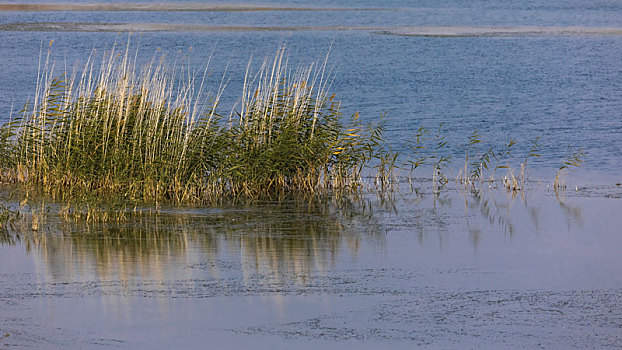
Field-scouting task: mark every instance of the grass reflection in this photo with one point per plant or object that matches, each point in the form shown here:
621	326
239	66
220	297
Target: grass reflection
292	239
286	239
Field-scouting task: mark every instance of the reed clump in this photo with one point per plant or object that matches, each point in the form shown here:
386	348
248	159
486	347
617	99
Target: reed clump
117	131
153	133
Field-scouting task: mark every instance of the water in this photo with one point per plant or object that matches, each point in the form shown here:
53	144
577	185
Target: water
454	271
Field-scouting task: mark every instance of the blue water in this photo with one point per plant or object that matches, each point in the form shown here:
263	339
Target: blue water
565	90
456	270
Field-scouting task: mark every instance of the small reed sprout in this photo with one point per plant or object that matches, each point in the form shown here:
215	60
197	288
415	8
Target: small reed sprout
572	159
433	149
534	152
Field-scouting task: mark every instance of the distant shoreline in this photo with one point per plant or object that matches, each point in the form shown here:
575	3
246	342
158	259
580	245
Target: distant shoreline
425	31
111	7
501	31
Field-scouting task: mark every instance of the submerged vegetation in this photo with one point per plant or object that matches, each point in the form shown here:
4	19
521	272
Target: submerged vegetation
152	133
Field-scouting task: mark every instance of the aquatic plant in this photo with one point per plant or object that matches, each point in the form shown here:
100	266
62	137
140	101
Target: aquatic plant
430	148
152	134
534	150
125	132
6	150
572	159
440	159
474	139
384	159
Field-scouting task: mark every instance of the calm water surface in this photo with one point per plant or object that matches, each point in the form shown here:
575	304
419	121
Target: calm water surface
478	270
457	270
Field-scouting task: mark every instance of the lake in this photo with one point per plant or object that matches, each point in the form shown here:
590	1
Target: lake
414	269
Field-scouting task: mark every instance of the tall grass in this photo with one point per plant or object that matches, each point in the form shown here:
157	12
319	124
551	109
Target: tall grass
152	133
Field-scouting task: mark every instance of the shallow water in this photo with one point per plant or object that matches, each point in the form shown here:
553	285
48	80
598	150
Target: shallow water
455	271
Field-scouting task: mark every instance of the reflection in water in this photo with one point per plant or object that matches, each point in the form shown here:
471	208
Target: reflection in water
290	238
497	208
497	213
281	242
480	211
6	238
280	271
573	213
